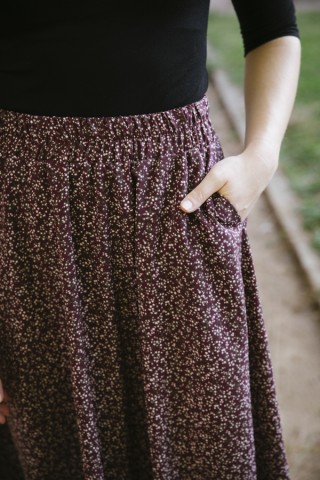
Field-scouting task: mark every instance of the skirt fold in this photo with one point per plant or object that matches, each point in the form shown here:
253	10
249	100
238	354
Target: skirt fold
133	344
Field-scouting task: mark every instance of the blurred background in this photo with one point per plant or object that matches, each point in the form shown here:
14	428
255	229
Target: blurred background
301	148
292	318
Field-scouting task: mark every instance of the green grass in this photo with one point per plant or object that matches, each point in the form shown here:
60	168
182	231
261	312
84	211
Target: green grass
224	35
300	154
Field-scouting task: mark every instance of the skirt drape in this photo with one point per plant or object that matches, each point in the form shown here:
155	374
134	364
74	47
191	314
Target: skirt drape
132	339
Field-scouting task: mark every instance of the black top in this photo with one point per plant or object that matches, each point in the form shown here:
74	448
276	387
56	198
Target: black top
103	58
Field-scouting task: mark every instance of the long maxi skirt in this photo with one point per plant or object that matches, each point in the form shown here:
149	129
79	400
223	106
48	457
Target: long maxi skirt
133	344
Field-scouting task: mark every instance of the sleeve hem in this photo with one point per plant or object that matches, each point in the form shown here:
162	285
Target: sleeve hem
249	46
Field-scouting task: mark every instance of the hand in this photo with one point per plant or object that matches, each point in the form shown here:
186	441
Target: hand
4	407
241	179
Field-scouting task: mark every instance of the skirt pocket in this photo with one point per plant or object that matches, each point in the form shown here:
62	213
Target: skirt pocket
223	210
216	208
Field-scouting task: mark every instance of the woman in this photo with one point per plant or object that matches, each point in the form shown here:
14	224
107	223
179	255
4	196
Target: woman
132	339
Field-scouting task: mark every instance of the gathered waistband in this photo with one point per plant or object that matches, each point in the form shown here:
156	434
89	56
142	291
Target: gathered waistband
159	123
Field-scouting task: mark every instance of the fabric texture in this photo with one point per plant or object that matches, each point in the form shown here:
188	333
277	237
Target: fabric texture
133	343
261	22
102	58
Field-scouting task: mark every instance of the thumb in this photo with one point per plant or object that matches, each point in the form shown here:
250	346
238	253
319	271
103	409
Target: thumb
212	182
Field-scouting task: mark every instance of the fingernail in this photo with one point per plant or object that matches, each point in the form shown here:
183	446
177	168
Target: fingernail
186	204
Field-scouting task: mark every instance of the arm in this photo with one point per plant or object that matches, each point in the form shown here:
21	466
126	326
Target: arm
272	63
271	77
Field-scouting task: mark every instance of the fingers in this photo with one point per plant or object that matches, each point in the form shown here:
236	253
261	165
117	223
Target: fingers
4	397
4	407
212	182
1	391
4	412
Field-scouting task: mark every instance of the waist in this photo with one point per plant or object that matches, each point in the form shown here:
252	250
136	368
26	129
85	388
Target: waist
92	76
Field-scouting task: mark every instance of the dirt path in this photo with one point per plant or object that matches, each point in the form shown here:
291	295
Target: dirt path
292	323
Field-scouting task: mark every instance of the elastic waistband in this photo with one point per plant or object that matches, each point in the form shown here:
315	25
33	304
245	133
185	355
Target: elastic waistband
119	126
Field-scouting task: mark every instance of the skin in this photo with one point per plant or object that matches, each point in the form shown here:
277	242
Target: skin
271	78
4	407
270	85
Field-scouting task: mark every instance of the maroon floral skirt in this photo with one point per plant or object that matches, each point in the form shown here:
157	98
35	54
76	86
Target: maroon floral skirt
133	343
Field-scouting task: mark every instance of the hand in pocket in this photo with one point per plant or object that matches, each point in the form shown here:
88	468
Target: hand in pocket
239	179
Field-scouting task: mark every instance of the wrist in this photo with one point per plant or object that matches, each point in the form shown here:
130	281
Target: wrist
263	152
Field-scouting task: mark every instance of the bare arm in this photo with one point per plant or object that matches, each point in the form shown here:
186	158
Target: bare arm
271	77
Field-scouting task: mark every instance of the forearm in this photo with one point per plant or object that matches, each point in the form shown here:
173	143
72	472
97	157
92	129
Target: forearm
271	78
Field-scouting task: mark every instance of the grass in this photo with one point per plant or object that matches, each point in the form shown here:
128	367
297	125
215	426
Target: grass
300	154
